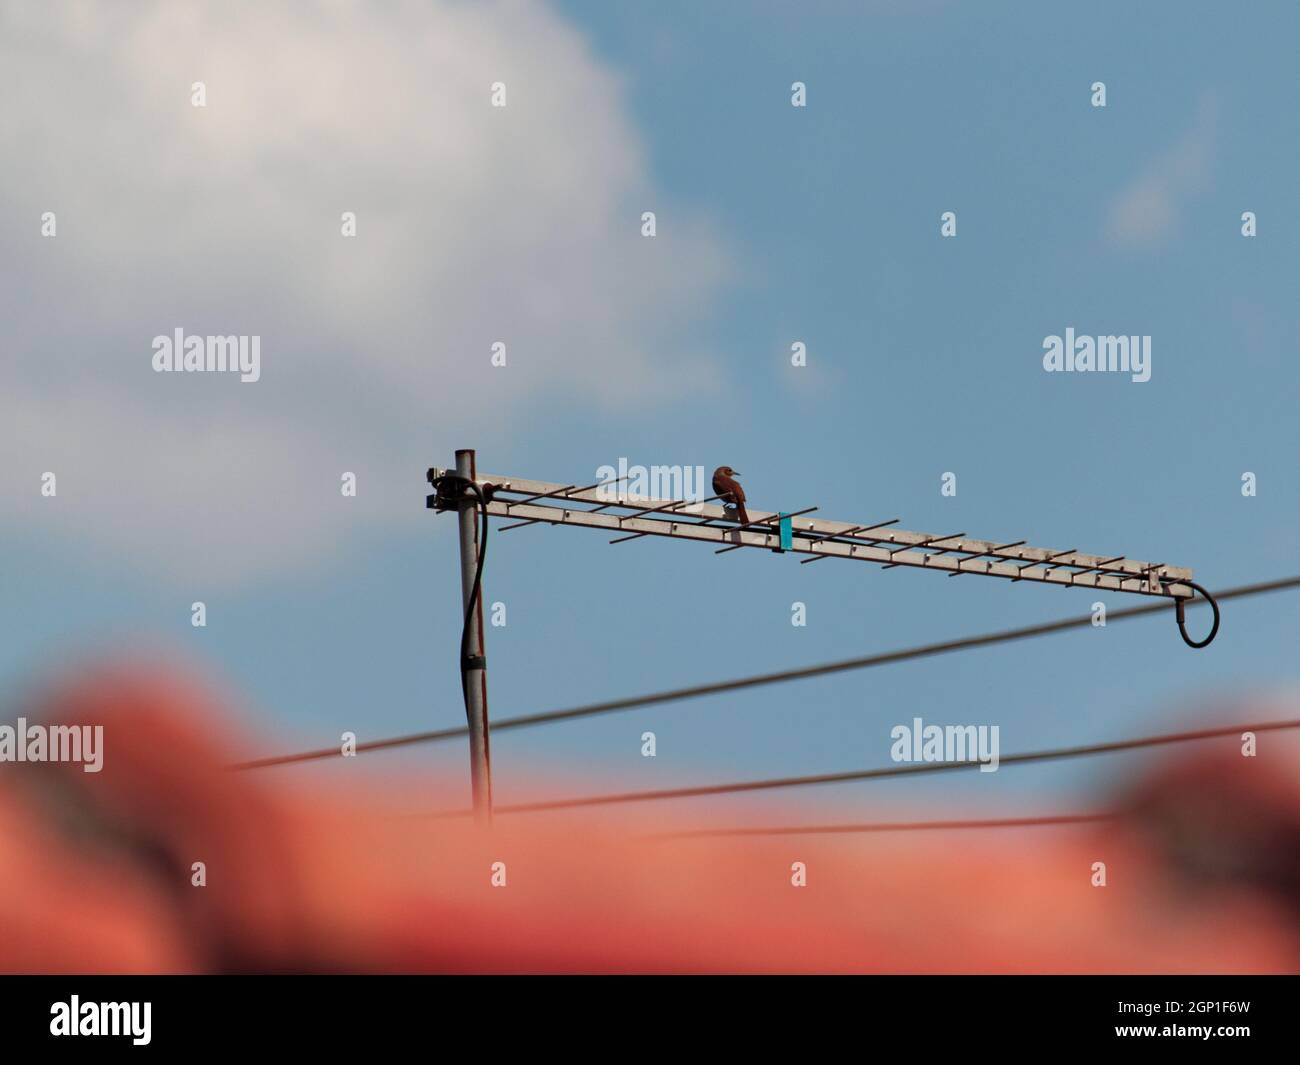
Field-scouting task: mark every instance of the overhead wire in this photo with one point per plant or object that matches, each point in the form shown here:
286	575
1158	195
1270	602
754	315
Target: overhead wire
901	770
761	679
854	828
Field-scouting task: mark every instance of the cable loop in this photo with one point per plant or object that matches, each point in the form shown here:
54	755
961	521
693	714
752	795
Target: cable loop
1179	613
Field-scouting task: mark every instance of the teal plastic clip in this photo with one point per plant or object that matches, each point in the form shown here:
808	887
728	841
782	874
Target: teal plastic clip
786	526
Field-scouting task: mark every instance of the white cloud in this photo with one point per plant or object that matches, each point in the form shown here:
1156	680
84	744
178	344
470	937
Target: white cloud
1145	211
475	224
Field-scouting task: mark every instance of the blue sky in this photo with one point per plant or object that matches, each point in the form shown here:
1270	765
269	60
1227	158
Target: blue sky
924	356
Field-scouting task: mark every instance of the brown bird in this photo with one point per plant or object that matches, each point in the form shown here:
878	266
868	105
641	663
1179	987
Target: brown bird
730	491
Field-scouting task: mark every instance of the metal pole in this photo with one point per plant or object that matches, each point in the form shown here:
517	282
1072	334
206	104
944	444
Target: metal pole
476	710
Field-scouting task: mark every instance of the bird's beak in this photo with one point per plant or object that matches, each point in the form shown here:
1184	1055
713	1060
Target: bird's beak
735	473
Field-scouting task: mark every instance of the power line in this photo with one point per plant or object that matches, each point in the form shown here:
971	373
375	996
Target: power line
909	769
887	826
757	680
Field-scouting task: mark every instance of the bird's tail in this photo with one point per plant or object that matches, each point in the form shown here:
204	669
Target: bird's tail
741	514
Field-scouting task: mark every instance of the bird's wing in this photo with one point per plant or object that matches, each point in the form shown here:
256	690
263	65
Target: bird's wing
725	486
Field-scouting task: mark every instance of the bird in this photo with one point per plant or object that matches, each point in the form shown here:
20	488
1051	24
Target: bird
729	491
